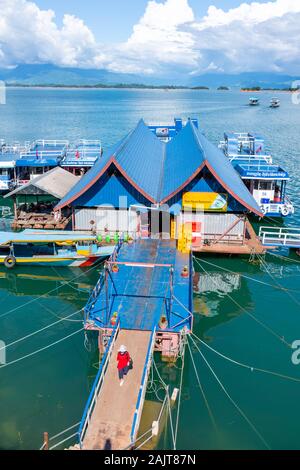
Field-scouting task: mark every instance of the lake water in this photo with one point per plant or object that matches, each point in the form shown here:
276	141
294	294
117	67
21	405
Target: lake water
247	318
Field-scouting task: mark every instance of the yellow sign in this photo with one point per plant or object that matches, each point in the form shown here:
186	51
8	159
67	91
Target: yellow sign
205	201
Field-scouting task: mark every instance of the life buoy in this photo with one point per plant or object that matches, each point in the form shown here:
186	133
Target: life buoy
10	262
263	210
285	211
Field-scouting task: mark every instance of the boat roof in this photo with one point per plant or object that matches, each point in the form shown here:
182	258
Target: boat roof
43	236
258	171
57	182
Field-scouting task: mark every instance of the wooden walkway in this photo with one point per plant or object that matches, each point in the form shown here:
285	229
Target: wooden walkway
111	422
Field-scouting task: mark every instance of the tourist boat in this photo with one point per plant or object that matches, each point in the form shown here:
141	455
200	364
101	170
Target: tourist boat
81	157
267	184
245	147
9	154
254	102
274	103
52	248
265	181
40	157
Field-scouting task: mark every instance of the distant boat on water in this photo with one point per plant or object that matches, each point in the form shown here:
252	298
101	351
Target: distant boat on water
254	102
275	103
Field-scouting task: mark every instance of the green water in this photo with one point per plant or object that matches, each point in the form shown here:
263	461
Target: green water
48	391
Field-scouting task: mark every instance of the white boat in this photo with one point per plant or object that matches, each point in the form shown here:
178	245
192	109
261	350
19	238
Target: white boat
254	102
275	103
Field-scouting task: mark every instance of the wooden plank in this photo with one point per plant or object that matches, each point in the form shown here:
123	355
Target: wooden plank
111	422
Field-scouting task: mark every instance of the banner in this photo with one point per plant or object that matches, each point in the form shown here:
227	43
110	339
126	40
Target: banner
205	201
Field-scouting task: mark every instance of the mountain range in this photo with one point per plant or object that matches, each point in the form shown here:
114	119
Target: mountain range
47	74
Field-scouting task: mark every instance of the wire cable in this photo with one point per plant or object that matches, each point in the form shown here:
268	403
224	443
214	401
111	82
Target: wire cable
231	399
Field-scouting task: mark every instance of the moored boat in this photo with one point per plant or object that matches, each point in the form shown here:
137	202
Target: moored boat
254	102
274	103
52	248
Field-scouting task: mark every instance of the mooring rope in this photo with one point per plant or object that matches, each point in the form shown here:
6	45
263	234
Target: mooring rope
66	283
210	413
285	258
231	399
245	366
246	277
41	349
266	327
39	331
169	404
180	395
278	283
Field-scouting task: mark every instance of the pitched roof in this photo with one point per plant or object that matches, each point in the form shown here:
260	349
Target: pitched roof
57	182
161	170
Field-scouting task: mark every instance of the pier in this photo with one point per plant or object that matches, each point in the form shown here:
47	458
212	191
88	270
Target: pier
143	300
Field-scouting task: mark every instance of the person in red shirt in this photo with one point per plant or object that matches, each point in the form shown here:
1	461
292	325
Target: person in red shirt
123	360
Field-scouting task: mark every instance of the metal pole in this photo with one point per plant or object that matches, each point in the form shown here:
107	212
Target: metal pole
46	441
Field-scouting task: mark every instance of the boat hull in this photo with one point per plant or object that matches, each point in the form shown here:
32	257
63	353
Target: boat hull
72	261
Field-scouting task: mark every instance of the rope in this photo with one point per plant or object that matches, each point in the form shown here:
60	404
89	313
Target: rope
278	283
247	277
169	404
202	390
266	327
41	349
39	331
286	258
180	395
231	399
63	432
47	293
246	366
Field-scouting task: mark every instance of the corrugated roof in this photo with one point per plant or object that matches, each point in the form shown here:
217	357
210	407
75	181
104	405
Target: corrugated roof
160	170
57	182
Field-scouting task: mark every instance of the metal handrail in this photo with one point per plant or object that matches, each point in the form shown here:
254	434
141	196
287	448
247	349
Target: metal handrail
282	234
143	386
94	394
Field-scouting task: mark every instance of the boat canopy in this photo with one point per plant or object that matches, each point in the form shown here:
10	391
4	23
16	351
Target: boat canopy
42	236
265	172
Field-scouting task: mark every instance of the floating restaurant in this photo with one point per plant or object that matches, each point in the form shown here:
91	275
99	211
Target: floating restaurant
34	201
184	188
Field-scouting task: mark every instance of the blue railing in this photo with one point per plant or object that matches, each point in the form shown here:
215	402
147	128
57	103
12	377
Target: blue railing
98	287
94	394
142	391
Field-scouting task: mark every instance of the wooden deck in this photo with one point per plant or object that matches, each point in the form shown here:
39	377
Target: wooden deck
251	245
112	418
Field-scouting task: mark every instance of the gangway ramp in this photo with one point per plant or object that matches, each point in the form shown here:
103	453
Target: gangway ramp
114	420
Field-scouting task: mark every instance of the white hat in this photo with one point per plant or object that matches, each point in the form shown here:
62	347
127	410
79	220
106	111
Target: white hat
123	348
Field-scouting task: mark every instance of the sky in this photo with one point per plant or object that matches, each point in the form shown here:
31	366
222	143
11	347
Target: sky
153	37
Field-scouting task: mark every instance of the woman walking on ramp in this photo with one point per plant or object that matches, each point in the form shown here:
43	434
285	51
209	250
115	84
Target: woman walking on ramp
124	361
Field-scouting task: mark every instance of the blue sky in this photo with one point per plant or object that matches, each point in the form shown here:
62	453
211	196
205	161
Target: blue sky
112	20
158	38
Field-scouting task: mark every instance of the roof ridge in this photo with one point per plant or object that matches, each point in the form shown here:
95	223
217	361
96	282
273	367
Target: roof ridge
195	133
162	172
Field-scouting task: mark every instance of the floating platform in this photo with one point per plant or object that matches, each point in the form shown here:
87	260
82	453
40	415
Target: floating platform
251	244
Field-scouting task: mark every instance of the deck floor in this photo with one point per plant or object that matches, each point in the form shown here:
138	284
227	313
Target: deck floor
138	293
251	245
110	425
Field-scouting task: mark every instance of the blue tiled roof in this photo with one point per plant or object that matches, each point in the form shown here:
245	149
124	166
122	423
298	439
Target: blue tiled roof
159	170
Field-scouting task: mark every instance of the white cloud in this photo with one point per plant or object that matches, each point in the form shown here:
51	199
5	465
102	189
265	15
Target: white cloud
167	40
251	37
31	35
159	39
